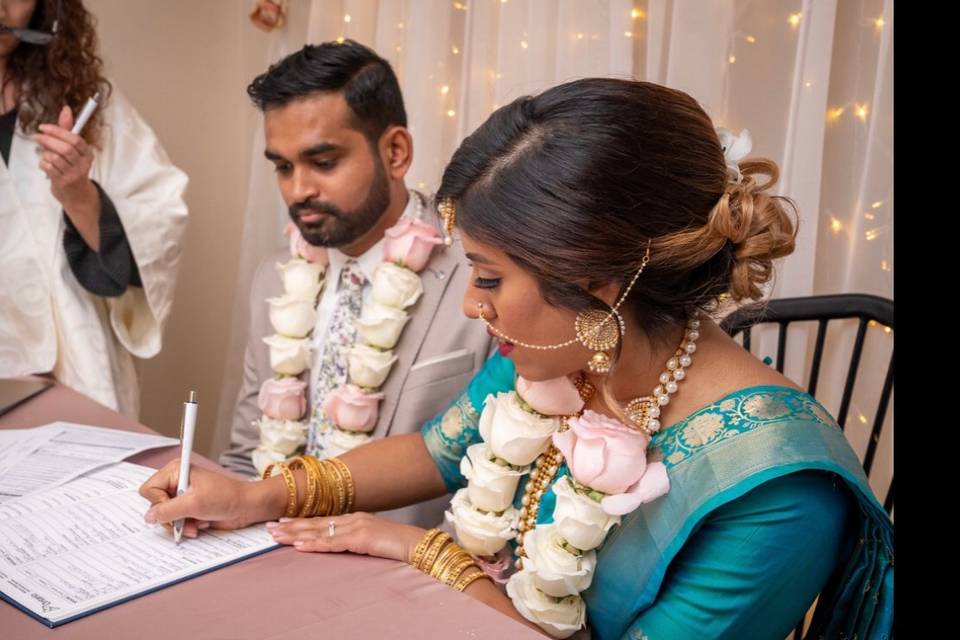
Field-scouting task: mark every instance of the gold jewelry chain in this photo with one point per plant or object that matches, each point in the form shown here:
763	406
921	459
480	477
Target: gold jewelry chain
594	332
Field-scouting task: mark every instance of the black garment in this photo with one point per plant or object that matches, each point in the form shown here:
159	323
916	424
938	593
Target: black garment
111	271
7	123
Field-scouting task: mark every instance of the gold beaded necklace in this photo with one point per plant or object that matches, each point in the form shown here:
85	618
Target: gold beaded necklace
545	468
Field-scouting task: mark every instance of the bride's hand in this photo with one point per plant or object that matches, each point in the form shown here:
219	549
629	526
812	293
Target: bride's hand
355	532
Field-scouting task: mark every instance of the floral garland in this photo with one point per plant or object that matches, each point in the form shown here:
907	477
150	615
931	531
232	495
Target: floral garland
609	476
353	407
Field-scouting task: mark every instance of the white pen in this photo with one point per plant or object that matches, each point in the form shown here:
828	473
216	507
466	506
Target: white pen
86	113
187	429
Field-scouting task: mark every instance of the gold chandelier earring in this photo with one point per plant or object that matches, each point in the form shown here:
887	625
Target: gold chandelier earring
448	213
599	331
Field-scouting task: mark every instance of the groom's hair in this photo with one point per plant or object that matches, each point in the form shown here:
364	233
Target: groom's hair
368	83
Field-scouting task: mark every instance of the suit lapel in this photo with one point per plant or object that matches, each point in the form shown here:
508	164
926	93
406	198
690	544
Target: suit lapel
436	278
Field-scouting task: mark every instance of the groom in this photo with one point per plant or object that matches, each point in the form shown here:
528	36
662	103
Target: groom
336	133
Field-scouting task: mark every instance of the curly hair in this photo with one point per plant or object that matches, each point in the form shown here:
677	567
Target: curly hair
68	71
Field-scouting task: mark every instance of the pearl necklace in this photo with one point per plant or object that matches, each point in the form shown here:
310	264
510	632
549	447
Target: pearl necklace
644	413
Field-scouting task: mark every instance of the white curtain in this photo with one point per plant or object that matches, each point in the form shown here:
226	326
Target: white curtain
811	79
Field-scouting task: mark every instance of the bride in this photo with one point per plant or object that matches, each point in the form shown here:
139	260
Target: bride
620	463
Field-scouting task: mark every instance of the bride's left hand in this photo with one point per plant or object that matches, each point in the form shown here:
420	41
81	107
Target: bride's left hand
355	532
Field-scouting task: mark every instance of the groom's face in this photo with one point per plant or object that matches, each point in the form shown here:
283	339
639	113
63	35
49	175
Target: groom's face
329	174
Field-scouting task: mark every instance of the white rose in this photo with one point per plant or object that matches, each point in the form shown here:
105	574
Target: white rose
381	325
482	534
559	617
558	571
396	286
291	316
580	520
369	367
492	486
337	441
301	279
282	436
289	356
263	457
513	434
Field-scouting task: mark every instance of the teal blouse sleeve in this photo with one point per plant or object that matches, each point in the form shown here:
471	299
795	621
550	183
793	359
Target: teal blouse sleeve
755	565
448	434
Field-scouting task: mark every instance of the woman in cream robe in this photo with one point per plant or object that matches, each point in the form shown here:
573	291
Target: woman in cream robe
48	321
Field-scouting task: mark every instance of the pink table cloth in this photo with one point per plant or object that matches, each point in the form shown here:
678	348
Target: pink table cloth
281	594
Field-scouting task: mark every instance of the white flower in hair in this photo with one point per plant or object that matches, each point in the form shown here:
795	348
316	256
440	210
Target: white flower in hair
735	149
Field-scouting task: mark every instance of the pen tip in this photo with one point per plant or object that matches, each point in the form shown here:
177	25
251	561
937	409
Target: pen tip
193	396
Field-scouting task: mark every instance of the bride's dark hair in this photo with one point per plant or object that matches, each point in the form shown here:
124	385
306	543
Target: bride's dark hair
572	184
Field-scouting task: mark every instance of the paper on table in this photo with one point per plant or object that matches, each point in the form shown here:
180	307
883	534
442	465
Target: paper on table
46	456
74	549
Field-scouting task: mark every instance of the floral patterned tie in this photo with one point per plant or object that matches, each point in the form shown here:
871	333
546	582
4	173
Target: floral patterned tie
341	335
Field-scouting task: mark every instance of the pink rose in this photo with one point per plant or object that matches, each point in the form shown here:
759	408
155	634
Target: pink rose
283	399
268	14
557	397
496	566
300	248
352	409
603	453
609	457
409	243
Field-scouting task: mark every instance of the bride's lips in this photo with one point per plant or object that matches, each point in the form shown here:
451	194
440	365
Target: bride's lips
504	347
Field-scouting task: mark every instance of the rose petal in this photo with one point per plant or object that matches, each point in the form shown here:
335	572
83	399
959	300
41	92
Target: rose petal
653	484
589	458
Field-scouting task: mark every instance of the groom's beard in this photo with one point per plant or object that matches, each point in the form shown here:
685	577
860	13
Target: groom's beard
337	227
